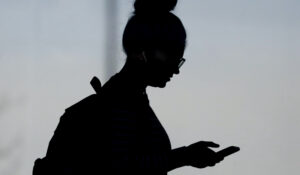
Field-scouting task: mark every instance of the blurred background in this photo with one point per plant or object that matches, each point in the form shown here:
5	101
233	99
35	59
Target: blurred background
239	86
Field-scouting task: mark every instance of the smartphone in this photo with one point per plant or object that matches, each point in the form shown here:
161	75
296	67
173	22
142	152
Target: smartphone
228	151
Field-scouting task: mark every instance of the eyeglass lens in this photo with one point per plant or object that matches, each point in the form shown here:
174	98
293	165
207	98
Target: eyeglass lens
182	60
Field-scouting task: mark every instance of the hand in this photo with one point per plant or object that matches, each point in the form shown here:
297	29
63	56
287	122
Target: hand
199	154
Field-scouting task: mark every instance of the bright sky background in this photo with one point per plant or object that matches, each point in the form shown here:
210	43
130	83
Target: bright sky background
239	86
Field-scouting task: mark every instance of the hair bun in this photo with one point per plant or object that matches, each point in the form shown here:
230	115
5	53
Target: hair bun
152	7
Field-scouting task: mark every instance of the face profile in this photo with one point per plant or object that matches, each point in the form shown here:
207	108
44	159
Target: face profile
161	67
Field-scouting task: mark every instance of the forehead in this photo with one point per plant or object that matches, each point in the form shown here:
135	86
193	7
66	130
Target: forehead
174	49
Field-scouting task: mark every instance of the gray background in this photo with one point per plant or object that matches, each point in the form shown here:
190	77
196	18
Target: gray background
239	86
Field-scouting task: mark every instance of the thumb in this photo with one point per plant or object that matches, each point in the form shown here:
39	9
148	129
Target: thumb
209	144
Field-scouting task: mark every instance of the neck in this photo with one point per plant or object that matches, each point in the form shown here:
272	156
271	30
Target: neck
134	73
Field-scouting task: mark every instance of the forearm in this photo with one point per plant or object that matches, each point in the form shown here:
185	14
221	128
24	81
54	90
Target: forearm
177	158
155	162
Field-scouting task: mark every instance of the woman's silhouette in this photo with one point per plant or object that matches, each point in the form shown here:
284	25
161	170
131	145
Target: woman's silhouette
117	130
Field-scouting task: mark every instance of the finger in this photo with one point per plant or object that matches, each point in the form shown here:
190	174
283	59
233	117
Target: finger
209	144
211	164
218	160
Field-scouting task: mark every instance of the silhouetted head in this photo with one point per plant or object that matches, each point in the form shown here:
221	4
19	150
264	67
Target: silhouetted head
157	38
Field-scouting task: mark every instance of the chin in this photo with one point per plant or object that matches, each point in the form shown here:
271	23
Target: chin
158	84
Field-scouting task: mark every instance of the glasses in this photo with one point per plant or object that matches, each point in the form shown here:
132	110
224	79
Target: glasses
176	64
180	63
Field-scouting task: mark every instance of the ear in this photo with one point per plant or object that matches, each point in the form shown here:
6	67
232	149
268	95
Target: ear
143	57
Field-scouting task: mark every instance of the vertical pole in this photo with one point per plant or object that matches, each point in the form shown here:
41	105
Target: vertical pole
111	38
